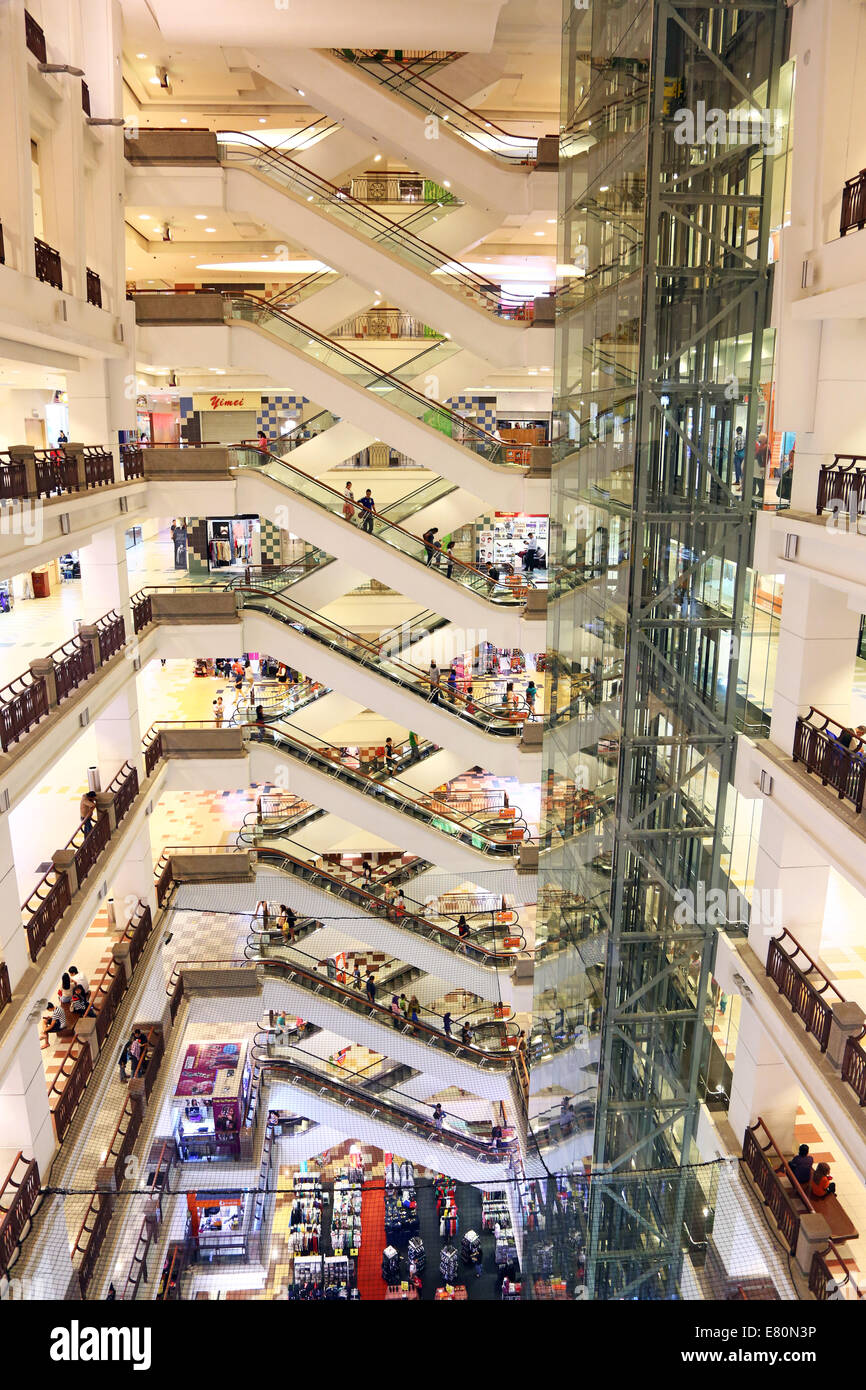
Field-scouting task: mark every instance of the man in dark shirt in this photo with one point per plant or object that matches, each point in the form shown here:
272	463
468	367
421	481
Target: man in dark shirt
369	507
801	1165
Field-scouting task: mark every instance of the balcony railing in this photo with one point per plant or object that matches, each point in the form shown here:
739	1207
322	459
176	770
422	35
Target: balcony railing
67	1088
853	204
132	457
828	1273
842	485
142	611
2	246
833	753
398	188
385	323
94	288
854	1068
17	1198
34	38
23	702
48	267
765	1161
789	967
112	635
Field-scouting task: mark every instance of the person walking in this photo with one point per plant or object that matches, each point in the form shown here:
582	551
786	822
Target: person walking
123	1059
449	559
530	696
463	932
371	986
87	810
446	1024
438	1116
762	459
368	506
451	683
429	538
396	1016
288	922
219	713
349	503
136	1051
413	747
739	455
434	677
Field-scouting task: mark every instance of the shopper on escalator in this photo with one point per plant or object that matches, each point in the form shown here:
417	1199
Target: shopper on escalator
371	987
368	506
463	932
434	677
446	1024
349	503
429	538
396	1016
438	1116
449	559
263	445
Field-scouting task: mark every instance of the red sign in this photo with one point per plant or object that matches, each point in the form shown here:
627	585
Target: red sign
226	403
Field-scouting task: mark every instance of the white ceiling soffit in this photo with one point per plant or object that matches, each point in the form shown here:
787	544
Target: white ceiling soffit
467	26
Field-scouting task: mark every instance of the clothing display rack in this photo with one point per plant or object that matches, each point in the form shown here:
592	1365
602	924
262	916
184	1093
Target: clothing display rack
339	1277
511	1292
446	1206
416	1254
470	1249
346	1214
305	1219
390	1265
400	1174
306	1278
448	1263
496	1218
401	1214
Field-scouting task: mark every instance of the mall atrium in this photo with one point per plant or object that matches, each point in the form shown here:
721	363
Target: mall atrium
432	656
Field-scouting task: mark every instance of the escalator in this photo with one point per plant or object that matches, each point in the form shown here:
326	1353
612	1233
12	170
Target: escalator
411	116
264	338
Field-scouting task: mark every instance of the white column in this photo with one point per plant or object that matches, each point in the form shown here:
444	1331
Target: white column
89	403
133	882
25	1116
118	734
791	881
13	938
15	141
762	1084
815	658
104	576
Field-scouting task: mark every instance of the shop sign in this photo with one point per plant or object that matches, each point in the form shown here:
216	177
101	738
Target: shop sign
238	400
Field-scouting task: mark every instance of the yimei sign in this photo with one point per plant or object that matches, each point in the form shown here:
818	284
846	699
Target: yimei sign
226	403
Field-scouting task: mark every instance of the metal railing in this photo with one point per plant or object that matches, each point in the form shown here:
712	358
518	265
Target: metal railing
34	37
23	702
786	1208
384	323
854	1067
18	1195
821	749
399	188
48	265
842	485
853	204
805	996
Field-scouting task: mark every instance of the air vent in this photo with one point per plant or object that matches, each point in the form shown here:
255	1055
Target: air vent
766	783
792	545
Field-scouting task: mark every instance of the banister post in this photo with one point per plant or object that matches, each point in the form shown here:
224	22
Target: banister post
848	1021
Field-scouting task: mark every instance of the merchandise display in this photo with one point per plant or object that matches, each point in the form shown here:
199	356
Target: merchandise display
346	1214
446	1207
390	1265
305	1220
448	1263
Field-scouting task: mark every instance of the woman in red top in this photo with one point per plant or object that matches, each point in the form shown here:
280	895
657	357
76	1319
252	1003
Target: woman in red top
821	1186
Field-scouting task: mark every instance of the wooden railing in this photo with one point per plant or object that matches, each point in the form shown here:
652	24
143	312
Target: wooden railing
132	457
787	1209
48	265
124	788
34	38
67	1088
56	472
137	933
98	463
112	635
142	611
46	904
88	850
13	474
842	484
806	997
824	1278
854	1068
817	747
106	997
91	1234
74	663
853	204
22	704
17	1198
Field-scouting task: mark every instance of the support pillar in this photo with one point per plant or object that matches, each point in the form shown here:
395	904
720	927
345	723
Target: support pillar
815	660
13	938
133	881
762	1085
791	882
25	1116
104	576
118	734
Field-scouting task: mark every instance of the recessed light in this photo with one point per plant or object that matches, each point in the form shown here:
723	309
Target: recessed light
299	92
144	217
538	234
603	187
263	120
551	221
141	55
154	81
376	158
201	217
446	183
184	121
210	229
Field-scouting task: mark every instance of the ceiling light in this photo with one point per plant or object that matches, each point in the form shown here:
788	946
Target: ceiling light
446	183
263	120
299	92
210	229
376	158
154	81
551	221
141	55
603	187
184	121
201	217
144	217
538	233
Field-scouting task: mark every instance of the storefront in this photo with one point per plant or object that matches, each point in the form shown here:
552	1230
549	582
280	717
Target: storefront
233	543
210	1099
505	539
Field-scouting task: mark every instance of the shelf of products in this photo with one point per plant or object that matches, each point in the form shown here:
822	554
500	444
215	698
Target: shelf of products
346	1214
446	1207
305	1220
496	1218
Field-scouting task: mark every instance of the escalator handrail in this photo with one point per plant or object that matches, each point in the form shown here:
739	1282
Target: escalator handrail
428	1129
492	1060
463	566
460	823
454	102
377	907
333	345
391	229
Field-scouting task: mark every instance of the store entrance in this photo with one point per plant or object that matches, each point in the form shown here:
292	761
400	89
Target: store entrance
233	543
